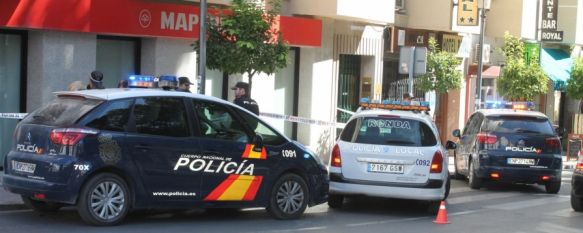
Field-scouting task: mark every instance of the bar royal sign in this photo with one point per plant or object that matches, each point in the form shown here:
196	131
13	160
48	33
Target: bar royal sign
134	18
549	25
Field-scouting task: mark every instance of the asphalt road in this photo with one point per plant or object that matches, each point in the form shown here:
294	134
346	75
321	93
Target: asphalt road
495	208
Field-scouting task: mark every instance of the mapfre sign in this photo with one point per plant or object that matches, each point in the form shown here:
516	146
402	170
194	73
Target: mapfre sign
133	18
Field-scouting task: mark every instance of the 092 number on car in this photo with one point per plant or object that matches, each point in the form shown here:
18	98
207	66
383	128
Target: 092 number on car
423	162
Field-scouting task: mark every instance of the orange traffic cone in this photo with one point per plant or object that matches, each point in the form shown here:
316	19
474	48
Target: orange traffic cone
441	214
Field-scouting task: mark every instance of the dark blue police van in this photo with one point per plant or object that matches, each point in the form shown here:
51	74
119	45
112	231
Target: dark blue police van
110	151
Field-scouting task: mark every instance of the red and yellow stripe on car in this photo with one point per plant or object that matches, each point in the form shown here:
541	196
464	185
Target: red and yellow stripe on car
236	188
249	153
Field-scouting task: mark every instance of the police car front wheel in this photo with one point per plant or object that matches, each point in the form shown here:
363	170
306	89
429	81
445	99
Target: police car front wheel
289	197
104	200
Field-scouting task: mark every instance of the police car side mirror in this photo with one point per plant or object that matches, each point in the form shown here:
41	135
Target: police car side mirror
456	133
450	145
257	143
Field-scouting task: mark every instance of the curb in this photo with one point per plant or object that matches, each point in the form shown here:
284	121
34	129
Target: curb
10	207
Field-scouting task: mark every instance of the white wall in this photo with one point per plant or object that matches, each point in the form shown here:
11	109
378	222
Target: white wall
162	56
316	99
567	20
434	14
372	11
579	24
529	13
55	59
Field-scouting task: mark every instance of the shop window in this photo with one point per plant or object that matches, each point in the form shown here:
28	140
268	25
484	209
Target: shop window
117	58
12	84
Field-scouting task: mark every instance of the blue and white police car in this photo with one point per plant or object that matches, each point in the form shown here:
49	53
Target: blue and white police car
509	143
390	150
110	151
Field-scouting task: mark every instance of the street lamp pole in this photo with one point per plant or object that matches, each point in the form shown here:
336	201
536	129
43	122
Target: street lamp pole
202	46
480	56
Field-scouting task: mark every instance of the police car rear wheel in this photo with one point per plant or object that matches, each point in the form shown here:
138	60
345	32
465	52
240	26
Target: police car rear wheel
104	200
289	197
41	206
335	201
474	181
553	187
576	203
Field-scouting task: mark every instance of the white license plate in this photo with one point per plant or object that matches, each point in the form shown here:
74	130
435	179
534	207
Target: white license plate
385	168
520	161
23	167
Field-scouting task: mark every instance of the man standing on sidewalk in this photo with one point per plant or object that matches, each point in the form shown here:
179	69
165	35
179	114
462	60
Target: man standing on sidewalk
243	99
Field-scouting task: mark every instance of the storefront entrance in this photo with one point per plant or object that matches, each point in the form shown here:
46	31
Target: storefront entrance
12	84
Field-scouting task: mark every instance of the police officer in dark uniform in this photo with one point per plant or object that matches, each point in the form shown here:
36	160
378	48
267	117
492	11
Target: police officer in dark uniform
243	99
95	80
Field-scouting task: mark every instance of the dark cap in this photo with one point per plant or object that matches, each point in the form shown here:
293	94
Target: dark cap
183	80
96	76
243	85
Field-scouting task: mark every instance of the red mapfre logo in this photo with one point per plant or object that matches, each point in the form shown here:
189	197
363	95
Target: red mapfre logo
145	18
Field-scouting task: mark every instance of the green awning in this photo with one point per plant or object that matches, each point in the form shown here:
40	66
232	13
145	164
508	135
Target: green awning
557	64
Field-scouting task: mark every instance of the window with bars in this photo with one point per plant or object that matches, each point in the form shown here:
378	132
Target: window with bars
348	85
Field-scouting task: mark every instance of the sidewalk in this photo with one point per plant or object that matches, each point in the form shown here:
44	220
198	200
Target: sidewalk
8	200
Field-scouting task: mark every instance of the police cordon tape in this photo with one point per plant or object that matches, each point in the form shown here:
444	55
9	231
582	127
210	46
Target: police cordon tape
13	115
302	120
289	118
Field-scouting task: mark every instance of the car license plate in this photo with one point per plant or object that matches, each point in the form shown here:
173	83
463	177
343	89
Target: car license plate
520	161
385	168
23	167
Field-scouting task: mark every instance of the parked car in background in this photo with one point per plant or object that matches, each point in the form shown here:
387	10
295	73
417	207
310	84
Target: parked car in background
509	145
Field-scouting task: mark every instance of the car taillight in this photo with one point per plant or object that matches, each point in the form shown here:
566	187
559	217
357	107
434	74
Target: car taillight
69	136
553	143
436	163
335	160
579	166
485	138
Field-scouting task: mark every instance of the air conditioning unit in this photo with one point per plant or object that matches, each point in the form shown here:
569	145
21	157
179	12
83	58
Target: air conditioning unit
399	5
485	54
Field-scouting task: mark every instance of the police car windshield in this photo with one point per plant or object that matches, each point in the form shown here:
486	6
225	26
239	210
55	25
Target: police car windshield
394	131
62	111
517	124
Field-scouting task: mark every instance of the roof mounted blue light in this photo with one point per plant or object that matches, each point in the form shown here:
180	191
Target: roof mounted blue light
141	81
517	105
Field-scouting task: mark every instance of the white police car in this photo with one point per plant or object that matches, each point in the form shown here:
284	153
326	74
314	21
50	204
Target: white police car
393	151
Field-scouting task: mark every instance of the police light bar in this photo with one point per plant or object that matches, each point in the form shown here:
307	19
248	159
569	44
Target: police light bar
141	81
168	81
396	105
520	105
